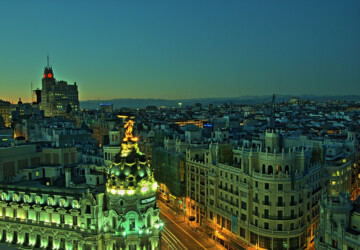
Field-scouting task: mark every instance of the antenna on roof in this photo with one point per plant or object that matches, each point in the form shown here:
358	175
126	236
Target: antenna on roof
48	64
31	94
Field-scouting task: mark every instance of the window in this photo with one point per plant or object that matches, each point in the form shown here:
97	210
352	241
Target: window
266	225
75	220
218	220
242	232
114	223
88	210
256	222
292	200
228	225
243	217
334	243
266	213
280	214
256	184
266	185
280	201
149	220
266	202
132	225
291	226
280	187
243	205
279	227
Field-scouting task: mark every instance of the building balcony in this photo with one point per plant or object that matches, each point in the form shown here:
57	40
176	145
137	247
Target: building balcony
255	200
272	233
280	204
293	203
272	217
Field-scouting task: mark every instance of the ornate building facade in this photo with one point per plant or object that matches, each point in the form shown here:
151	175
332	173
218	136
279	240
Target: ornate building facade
339	223
122	214
263	196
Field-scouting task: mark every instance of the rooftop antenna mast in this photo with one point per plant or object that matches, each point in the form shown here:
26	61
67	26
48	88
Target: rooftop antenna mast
31	94
48	60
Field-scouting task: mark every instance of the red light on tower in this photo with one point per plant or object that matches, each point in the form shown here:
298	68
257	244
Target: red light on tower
49	75
44	75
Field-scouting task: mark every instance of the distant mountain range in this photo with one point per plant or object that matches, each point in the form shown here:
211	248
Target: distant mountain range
141	103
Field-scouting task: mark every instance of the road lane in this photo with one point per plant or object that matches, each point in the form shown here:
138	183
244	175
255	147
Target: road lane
190	239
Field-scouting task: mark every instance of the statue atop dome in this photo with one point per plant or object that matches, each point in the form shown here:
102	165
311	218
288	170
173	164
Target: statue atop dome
130	168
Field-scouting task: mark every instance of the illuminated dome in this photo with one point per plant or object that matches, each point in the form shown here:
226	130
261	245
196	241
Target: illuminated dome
130	169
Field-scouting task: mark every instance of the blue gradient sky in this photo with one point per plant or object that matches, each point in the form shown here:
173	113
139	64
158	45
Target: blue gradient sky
181	49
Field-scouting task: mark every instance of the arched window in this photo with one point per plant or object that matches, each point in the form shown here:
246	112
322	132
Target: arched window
278	169
263	168
149	220
270	169
114	223
287	169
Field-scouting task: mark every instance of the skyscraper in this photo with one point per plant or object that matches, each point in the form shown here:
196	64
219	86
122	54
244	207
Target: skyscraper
57	97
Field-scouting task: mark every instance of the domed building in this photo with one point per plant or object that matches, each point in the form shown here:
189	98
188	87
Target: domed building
131	192
75	213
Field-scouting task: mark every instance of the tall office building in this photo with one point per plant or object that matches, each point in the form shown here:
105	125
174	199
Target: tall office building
4	113
57	97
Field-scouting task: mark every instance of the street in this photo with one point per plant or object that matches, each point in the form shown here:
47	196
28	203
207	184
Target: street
179	235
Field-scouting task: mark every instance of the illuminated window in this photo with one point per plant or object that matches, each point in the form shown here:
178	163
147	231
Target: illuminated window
37	173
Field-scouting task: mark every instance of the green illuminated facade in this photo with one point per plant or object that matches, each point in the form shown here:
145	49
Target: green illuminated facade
122	214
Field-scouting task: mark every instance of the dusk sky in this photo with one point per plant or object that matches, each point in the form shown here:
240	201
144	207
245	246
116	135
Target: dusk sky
181	49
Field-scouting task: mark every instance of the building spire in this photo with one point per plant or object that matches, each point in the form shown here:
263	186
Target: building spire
48	59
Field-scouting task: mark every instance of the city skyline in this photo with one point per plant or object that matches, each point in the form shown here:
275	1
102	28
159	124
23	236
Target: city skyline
173	51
